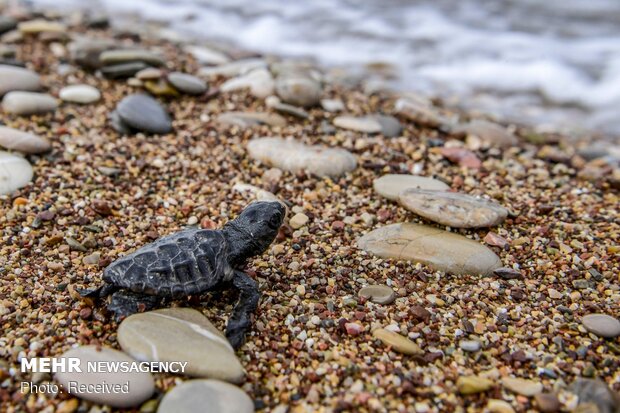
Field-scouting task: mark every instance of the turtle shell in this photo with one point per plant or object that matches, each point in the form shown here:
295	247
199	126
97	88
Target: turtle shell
188	262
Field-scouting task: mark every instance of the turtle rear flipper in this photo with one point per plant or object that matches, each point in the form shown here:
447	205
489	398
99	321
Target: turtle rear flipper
101	292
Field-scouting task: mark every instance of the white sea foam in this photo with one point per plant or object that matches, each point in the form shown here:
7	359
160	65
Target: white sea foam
555	61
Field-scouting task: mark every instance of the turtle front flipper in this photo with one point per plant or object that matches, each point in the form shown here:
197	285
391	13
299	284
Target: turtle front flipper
125	303
101	292
241	317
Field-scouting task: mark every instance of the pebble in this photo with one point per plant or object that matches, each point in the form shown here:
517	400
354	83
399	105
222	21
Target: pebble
144	113
259	81
441	250
85	51
380	294
206	396
473	384
247	119
489	132
290	110
206	55
366	124
79	94
294	156
119	56
123	70
23	142
150	73
15	172
470	345
174	334
499	406
28	103
233	68
523	387
17	78
421	111
602	325
298	220
547	402
160	87
40	26
140	384
391	185
397	342
455	210
186	83
298	90
332	105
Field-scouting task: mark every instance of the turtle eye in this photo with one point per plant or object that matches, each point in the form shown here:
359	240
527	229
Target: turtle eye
274	221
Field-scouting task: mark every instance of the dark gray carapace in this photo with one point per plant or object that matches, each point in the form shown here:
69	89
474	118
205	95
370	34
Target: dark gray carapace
195	261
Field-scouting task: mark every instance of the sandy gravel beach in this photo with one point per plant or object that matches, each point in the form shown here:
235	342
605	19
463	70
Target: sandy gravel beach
316	344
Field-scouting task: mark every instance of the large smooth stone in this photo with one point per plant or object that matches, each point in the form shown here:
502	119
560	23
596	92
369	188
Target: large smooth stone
453	209
246	119
7	23
187	83
602	325
295	156
489	132
440	250
391	185
85	51
380	294
15	172
181	334
422	112
140	384
473	384
233	68
28	103
114	57
299	90
24	142
259	82
80	94
144	113
206	396
123	70
17	78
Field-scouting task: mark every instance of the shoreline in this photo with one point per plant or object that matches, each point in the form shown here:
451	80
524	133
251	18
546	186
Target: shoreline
99	194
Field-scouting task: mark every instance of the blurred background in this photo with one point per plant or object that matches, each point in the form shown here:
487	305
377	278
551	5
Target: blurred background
552	63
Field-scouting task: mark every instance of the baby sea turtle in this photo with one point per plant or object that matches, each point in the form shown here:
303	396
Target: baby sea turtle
194	261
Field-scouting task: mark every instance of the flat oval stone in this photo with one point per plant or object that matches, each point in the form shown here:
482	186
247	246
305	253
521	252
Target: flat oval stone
523	387
602	325
295	156
80	94
187	83
144	113
390	126
391	185
15	172
380	294
398	342
439	249
40	26
180	334
123	70
453	209
138	386
114	57
28	103
246	119
299	90
489	132
470	345
17	78
22	141
7	23
233	68
206	396
366	124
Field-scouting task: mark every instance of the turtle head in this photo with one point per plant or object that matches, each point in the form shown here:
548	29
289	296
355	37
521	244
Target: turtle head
253	230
